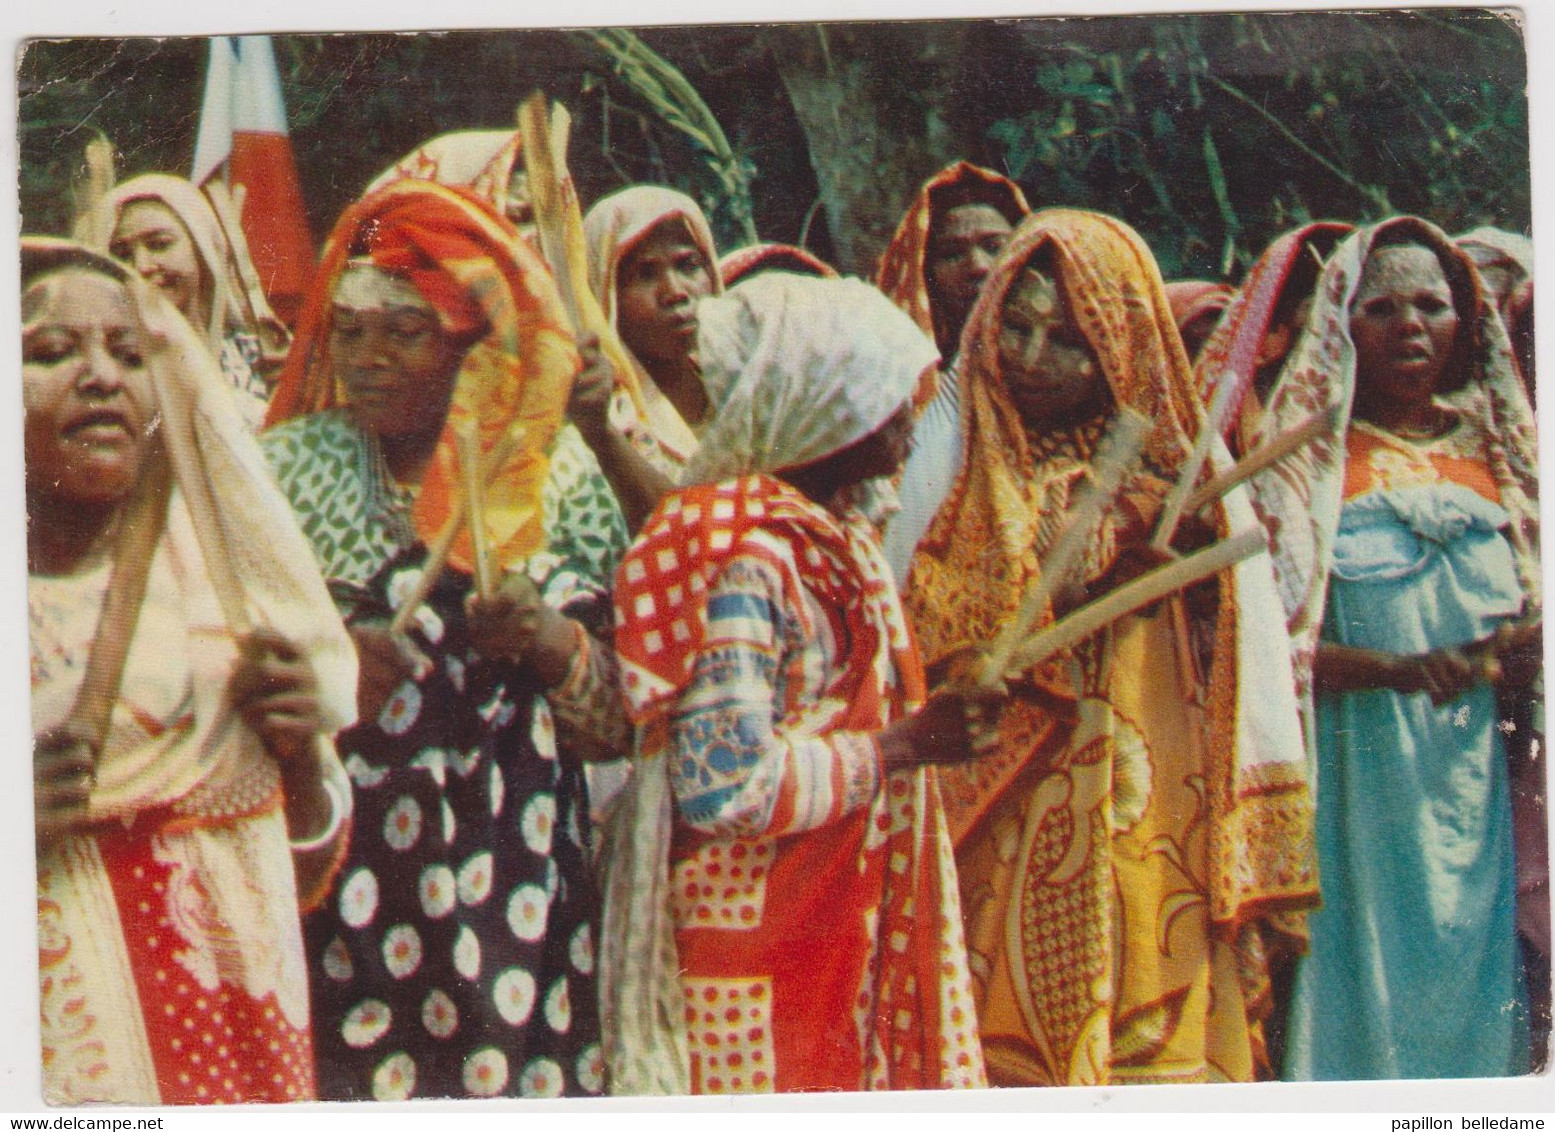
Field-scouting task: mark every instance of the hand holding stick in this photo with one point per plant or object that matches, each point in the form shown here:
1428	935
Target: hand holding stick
1131	596
1116	455
437	553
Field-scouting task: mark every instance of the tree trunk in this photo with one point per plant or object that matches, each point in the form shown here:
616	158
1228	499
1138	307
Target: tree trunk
871	145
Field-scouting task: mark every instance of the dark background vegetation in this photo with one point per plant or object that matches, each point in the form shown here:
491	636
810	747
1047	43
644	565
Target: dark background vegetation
1209	133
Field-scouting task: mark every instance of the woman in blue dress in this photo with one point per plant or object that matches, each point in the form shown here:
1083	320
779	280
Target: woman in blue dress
1411	591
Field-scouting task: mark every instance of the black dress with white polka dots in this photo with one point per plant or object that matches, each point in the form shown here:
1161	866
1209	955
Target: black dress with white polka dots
455	955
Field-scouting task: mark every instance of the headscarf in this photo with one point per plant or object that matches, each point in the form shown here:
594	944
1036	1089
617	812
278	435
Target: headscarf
1300	498
237	300
799	368
482	278
840	356
984	547
737	264
619	222
482	161
1193	298
226	518
1237	347
903	271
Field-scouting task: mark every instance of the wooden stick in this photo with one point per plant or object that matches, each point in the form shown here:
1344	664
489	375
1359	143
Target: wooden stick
559	224
474	494
1118	452
134	548
1266	455
437	553
1135	595
1188	475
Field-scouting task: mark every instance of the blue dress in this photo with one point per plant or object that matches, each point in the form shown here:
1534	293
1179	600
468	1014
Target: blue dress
1413	969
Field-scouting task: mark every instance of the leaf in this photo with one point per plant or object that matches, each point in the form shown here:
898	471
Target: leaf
1141	1034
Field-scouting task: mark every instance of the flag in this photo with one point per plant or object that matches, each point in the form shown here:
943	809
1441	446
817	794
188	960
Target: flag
243	133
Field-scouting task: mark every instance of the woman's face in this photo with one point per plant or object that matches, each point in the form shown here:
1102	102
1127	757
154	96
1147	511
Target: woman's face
393	358
1048	366
963	248
1403	323
658	286
155	242
85	389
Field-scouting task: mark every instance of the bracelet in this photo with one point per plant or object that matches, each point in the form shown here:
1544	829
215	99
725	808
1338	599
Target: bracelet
338	787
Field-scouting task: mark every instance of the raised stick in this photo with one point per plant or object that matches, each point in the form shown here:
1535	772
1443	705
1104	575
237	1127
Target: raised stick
1117	453
475	497
437	553
1176	499
1264	456
1134	595
559	223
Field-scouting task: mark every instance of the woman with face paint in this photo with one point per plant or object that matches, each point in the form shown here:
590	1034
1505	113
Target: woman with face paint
1123	854
176	839
169	232
1406	547
456	956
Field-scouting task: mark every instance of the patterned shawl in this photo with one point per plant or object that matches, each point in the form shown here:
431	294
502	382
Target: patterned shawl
985	545
477	272
237	299
903	272
1300	499
1193	298
1236	348
235	544
481	161
771	257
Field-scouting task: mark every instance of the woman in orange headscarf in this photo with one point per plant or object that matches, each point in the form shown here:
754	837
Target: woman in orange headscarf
456	957
1122	856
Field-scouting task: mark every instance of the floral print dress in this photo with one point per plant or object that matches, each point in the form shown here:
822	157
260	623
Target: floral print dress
455	956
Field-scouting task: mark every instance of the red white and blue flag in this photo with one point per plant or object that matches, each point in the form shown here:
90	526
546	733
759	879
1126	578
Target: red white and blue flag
243	135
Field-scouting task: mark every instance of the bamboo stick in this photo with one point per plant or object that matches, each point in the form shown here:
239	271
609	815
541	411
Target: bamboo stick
559	225
1131	596
1117	453
134	548
437	553
1266	455
475	496
1172	510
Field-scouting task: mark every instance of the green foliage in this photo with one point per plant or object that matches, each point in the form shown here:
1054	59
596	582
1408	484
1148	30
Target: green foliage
1212	134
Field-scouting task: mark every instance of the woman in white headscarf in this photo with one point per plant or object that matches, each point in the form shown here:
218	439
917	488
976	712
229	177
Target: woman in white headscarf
187	669
190	246
781	910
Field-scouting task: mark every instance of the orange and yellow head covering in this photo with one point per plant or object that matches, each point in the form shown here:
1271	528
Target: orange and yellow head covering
486	283
982	548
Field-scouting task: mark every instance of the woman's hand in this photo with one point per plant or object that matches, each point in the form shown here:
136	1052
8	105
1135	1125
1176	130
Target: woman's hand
63	773
589	404
385	660
951	727
274	689
516	624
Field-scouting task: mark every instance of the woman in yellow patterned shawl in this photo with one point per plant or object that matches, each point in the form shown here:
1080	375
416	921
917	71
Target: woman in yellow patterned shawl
1124	856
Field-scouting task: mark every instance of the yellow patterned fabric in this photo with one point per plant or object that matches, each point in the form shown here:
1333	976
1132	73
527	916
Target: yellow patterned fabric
1146	825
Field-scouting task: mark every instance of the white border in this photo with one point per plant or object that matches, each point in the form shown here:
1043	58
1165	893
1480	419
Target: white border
19	1066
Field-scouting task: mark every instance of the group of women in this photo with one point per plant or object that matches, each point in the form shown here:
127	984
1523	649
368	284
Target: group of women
434	700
